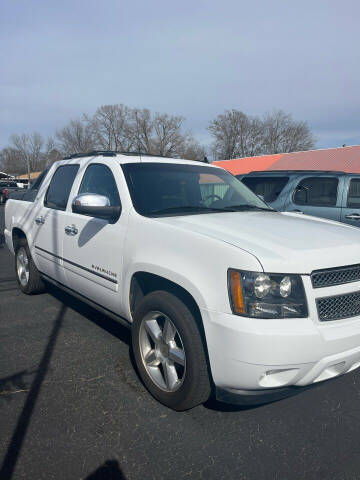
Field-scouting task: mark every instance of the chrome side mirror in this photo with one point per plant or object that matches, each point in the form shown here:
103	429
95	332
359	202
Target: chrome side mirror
94	205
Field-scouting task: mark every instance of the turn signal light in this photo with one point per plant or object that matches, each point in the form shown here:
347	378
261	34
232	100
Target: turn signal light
237	292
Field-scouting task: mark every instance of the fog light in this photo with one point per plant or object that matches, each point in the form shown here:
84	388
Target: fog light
278	378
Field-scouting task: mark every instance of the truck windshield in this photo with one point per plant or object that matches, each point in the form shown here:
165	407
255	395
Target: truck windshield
269	187
165	189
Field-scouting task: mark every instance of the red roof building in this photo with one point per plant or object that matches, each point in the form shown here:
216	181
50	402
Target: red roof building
345	159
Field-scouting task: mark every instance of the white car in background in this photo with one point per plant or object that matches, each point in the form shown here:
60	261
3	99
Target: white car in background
220	291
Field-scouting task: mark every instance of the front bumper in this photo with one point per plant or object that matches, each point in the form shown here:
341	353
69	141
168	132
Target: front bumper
256	397
259	355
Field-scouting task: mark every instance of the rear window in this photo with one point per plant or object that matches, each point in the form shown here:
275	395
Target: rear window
31	193
269	187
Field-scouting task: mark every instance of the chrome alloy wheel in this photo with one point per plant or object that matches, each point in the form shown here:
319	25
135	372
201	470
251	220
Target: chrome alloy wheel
22	266
162	351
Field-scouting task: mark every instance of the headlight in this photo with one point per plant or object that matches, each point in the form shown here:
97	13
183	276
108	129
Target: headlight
266	295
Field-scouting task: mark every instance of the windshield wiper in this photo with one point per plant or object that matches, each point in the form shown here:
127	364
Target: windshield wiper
191	208
249	206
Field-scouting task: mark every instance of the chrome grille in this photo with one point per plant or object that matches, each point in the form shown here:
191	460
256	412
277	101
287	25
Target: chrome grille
336	276
339	306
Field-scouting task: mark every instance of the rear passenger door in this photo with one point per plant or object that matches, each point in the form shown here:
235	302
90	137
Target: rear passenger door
49	222
317	196
350	213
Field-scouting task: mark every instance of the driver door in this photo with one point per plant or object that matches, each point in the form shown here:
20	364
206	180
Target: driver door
92	247
318	196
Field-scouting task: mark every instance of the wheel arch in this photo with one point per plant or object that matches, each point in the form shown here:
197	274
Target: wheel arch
16	235
144	282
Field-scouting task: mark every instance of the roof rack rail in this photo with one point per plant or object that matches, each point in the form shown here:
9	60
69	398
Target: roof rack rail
108	153
113	153
295	171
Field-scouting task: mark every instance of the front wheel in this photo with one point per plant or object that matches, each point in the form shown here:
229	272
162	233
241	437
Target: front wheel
169	351
27	274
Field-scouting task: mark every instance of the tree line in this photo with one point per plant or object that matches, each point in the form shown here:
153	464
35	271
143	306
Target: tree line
121	128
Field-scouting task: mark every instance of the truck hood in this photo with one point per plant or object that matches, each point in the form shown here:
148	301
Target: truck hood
282	242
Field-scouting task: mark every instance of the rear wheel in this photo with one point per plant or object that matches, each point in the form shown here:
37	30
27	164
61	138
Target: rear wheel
169	352
27	274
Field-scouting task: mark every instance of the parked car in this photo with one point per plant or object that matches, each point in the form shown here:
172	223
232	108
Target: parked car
333	195
7	187
220	291
29	191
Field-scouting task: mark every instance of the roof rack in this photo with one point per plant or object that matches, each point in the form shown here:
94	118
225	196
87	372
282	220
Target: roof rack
109	153
294	171
113	153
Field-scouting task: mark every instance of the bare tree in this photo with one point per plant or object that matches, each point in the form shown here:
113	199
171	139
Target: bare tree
111	128
168	139
11	161
236	135
283	134
76	137
192	149
142	129
29	148
28	153
36	145
52	154
162	134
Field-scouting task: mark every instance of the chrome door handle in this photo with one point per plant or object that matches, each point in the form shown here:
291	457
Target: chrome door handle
39	220
353	216
71	230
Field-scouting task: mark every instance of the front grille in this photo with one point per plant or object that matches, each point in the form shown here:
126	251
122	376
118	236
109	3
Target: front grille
336	276
340	306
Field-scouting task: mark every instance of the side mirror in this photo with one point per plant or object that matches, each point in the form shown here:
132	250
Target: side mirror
302	188
94	205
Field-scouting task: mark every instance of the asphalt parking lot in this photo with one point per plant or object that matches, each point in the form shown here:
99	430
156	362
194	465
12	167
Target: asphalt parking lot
72	406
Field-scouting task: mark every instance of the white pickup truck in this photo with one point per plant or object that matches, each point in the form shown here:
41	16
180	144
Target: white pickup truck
221	292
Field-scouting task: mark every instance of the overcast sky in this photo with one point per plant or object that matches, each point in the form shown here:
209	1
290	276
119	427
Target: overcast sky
196	58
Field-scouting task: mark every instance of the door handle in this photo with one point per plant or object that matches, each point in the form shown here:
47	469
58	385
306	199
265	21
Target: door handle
39	220
353	216
71	230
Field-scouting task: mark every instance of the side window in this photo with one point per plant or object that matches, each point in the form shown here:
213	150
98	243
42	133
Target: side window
59	189
99	179
269	187
353	199
317	191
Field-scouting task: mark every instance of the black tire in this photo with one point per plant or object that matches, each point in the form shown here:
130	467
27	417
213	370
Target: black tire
195	387
34	284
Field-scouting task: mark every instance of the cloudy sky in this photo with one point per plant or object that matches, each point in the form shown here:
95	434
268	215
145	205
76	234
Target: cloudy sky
196	58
